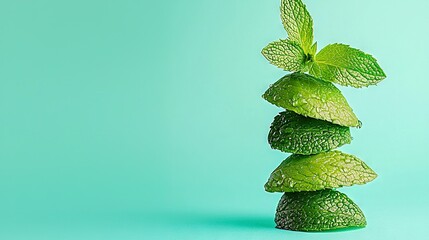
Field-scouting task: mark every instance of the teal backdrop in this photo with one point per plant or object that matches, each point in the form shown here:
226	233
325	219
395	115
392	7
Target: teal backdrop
144	119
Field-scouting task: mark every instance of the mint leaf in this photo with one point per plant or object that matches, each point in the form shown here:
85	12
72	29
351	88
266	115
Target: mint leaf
311	97
295	133
318	211
285	54
316	172
297	23
346	66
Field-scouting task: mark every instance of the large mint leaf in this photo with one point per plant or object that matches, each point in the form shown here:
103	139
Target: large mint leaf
316	172
346	66
297	23
295	133
285	54
318	211
312	97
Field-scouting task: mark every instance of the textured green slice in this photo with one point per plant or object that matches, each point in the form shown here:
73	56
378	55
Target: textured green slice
311	97
297	23
318	211
347	66
285	54
295	133
316	172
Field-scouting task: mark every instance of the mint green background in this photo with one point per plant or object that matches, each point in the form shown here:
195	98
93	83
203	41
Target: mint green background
143	119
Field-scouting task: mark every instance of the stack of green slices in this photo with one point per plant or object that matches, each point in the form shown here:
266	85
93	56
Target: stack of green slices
316	120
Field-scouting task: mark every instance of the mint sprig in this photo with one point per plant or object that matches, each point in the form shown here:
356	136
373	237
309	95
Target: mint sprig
338	63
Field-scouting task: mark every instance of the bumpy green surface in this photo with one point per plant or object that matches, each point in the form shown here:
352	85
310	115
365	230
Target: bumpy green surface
295	133
316	172
312	97
318	211
286	55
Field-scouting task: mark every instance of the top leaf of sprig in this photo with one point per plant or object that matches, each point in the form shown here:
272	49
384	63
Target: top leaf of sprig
297	23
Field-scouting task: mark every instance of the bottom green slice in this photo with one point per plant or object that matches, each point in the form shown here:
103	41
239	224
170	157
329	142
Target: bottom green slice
318	211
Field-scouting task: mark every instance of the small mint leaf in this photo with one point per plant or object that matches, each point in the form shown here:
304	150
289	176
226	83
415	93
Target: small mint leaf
285	54
339	63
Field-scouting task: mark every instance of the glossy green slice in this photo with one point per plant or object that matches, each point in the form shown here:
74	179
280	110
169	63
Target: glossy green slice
312	97
318	211
326	170
294	133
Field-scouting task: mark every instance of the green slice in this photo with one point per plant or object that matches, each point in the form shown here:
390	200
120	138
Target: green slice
286	55
311	97
332	169
295	133
339	63
318	211
297	23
